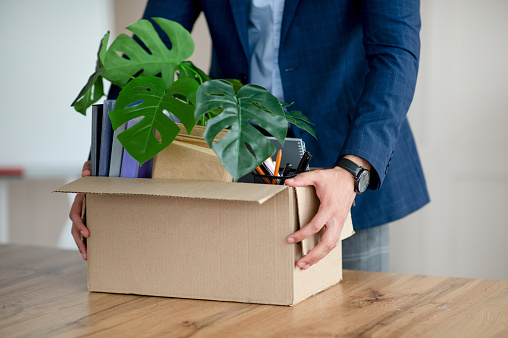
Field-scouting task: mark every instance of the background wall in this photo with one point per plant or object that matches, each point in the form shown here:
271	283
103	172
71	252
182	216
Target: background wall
458	116
48	52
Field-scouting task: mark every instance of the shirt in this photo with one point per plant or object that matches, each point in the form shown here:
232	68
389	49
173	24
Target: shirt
264	28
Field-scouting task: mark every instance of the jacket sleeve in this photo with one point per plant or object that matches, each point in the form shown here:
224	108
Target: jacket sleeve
392	46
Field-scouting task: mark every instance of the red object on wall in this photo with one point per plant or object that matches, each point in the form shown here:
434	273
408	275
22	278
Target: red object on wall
11	171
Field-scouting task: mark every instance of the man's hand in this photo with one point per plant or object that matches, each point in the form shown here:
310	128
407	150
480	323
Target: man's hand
79	230
335	190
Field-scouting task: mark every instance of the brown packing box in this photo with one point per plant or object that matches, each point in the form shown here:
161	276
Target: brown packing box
189	157
203	240
181	160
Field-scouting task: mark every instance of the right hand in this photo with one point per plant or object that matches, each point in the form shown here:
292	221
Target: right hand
79	230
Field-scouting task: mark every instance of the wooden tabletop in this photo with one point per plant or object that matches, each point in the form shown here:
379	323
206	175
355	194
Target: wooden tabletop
43	293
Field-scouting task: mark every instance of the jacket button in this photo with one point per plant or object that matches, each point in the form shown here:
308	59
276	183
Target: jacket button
243	78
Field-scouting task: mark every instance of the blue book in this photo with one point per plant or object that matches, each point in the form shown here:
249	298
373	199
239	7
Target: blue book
115	164
106	138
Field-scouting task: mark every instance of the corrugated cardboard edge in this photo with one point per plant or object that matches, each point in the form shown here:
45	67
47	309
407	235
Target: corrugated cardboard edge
306	209
246	192
307	205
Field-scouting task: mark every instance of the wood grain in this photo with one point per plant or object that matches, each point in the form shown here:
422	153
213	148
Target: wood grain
43	293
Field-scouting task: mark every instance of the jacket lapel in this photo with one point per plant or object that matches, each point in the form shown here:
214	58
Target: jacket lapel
289	12
240	9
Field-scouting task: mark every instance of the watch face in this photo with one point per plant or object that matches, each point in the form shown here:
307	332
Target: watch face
363	181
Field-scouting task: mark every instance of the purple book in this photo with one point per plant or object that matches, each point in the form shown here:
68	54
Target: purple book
130	167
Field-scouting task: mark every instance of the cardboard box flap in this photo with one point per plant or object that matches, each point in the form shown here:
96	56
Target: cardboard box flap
246	192
308	206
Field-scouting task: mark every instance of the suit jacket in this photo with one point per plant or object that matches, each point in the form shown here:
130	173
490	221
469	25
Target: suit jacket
351	67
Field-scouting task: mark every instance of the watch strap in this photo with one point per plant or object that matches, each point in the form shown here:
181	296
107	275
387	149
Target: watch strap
350	166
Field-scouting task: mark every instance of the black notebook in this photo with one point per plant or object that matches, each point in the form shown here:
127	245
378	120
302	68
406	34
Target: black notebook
292	151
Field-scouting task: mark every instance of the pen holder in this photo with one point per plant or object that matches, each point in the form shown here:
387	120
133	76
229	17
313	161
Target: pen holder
267	179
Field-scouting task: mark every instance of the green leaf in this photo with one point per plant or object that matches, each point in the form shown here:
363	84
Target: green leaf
236	84
244	147
146	98
127	58
296	118
187	69
85	98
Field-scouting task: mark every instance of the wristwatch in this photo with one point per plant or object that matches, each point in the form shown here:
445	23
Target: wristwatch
361	175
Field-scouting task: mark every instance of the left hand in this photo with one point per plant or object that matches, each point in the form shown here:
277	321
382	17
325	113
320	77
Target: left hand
335	190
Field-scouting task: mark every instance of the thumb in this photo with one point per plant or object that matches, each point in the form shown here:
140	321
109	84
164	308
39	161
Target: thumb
300	180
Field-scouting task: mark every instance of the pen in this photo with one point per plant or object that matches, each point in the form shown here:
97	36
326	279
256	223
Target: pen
304	162
277	165
286	169
285	172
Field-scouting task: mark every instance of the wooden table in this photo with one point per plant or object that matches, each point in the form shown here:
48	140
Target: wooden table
43	293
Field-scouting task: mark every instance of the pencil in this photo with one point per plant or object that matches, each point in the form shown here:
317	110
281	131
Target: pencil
261	172
277	165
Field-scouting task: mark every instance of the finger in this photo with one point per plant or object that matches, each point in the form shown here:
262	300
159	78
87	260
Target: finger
75	215
80	243
87	169
314	226
79	230
87	165
329	241
302	179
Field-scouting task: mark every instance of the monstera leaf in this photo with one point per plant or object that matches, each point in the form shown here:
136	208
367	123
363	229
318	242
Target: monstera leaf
146	98
126	58
244	147
85	97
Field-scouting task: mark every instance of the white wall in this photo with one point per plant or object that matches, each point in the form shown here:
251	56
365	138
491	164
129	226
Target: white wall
459	117
48	51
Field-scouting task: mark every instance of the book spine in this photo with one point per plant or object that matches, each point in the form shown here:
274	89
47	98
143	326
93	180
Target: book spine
97	110
130	167
106	140
115	165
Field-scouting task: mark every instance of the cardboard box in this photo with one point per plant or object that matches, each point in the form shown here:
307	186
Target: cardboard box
203	240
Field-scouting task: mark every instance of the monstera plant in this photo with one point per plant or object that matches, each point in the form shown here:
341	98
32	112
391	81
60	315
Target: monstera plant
145	69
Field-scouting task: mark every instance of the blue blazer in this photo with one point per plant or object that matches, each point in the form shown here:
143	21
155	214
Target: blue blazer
351	67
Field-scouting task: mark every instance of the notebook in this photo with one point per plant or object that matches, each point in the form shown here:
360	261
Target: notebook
115	164
292	151
130	167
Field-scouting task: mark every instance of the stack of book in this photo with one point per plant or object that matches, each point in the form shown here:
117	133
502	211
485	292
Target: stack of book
108	156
